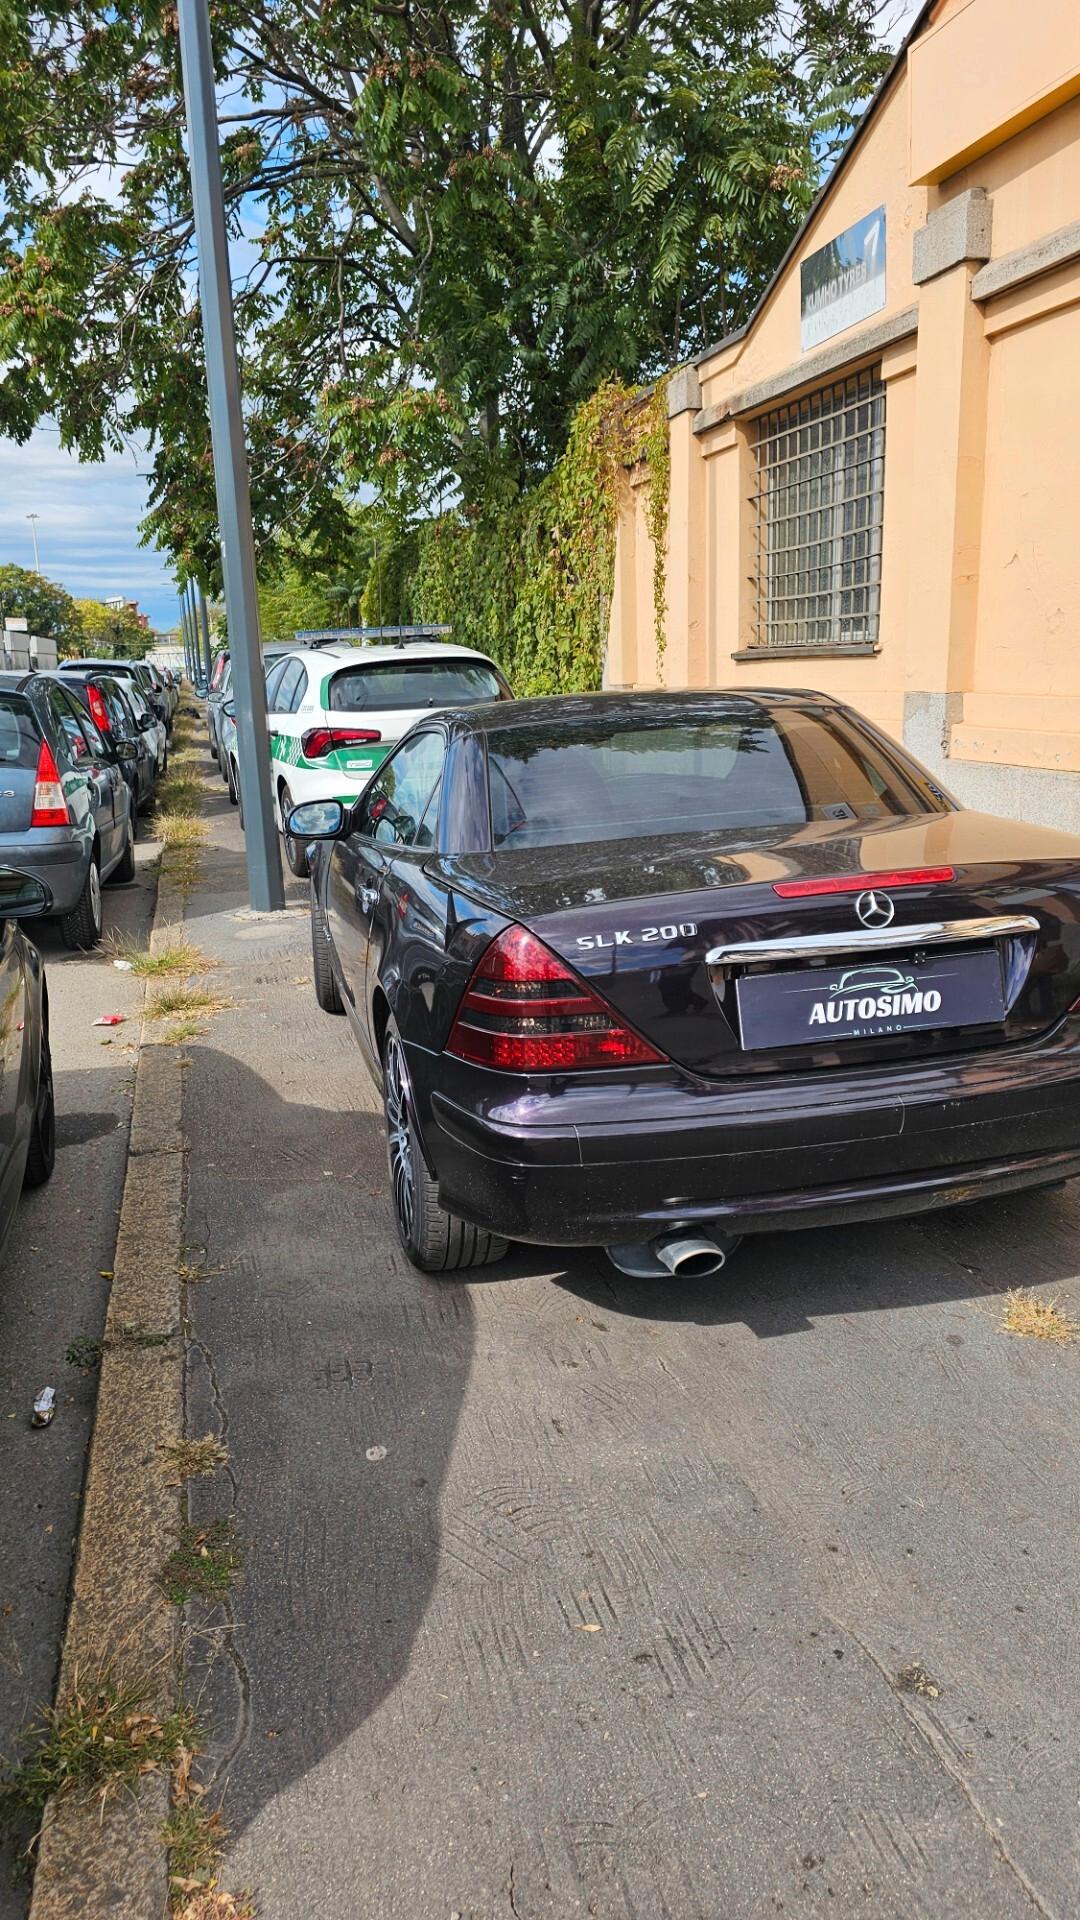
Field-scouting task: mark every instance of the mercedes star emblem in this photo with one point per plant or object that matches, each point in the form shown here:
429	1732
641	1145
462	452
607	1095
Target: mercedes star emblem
875	909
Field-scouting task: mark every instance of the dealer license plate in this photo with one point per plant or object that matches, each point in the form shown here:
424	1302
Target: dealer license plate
817	1006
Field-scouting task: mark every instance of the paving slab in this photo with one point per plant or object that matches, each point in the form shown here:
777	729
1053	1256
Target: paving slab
569	1595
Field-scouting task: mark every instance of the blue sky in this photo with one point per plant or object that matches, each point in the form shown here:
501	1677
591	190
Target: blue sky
87	526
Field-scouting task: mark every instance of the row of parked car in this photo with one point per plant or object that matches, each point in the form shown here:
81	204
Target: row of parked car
81	752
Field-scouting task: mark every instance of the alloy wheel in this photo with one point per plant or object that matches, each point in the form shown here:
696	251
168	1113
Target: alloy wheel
399	1140
95	895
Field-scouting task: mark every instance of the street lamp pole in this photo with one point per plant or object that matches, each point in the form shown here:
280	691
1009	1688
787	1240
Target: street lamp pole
33	519
204	624
265	886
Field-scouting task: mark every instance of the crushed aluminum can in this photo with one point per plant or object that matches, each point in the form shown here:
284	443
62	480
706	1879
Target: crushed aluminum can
44	1407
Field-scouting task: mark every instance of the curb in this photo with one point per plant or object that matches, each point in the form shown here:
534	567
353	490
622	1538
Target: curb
93	1859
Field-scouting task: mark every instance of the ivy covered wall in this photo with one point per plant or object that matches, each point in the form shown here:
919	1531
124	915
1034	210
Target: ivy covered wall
531	583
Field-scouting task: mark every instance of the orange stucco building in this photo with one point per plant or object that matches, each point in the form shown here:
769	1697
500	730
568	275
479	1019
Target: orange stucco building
875	483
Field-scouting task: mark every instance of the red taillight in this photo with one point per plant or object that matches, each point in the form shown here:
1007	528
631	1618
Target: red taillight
50	807
858	882
319	741
99	712
524	1011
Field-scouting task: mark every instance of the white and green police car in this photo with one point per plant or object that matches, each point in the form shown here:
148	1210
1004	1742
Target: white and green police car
335	709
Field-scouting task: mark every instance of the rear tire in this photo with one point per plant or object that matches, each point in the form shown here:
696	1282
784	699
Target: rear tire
81	928
124	869
41	1157
434	1240
327	991
295	851
230	777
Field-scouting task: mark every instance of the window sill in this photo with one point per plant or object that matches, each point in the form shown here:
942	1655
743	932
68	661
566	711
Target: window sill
806	653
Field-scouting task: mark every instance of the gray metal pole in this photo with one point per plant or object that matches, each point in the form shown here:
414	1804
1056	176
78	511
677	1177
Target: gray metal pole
204	625
265	887
185	633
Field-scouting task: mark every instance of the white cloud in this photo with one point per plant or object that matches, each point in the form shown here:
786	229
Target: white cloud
87	525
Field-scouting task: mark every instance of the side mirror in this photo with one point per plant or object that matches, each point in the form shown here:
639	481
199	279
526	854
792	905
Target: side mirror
21	895
229	709
316	820
148	722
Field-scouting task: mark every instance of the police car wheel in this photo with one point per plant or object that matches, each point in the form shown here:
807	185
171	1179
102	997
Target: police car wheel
295	850
434	1240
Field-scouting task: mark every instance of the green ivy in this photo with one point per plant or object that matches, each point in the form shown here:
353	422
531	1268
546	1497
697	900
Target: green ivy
531	582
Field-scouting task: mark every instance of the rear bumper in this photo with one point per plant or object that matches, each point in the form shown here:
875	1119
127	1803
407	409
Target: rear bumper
59	863
591	1167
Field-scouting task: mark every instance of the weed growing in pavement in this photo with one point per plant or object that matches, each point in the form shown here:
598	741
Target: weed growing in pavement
204	1562
178	829
1026	1314
191	1002
102	1738
174	954
183	867
185	1030
190	1458
194	1835
85	1352
180	792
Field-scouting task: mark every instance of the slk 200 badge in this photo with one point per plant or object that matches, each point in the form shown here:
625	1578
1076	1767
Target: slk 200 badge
645	936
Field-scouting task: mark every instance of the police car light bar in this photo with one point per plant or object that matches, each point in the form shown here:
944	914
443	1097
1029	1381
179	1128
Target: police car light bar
323	636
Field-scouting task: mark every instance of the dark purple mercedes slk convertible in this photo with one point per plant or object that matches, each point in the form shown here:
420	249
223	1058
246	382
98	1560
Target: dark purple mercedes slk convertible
652	971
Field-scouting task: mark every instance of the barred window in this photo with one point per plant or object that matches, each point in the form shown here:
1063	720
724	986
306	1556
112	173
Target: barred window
818	515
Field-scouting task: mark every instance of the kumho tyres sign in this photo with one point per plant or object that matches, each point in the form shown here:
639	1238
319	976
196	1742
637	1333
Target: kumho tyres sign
844	281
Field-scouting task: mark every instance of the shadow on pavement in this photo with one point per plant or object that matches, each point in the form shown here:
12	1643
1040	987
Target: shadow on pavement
315	1346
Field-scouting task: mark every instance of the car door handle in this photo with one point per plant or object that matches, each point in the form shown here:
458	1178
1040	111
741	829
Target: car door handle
367	897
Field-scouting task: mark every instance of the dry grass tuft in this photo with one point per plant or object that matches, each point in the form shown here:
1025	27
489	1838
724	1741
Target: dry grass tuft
179	829
188	1459
175	954
212	1903
1036	1319
187	1003
102	1739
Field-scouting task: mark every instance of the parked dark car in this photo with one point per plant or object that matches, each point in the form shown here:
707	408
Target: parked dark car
27	1119
618	964
145	677
132	743
65	807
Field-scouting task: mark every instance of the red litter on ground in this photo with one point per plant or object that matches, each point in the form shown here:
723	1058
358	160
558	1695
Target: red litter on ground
110	1020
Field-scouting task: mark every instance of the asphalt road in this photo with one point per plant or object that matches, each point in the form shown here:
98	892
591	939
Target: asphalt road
565	1595
52	1290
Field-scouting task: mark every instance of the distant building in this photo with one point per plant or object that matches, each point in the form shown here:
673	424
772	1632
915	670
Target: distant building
117	604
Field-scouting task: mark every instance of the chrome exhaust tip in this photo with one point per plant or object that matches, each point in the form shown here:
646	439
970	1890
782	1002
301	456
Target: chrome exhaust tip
690	1256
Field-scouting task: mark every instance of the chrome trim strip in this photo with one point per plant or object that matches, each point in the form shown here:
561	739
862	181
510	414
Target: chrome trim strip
812	946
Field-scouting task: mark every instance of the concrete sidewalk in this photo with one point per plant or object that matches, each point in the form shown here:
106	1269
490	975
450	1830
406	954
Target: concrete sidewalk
564	1595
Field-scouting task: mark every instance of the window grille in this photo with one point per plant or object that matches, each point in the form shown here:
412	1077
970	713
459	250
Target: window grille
818	510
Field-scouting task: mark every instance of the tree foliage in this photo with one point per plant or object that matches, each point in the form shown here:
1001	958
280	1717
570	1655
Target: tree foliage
458	220
111	631
48	610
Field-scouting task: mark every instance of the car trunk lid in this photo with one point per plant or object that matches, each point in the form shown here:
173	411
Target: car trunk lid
20	744
732	953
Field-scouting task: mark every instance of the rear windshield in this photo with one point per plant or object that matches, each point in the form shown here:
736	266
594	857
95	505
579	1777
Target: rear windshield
387	684
594	781
20	736
219	667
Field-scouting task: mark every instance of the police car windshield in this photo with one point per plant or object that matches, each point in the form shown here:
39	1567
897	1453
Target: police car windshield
387	684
